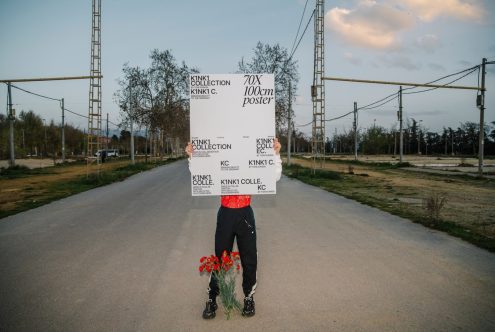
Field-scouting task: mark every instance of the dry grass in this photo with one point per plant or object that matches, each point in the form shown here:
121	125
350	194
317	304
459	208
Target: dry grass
43	185
470	204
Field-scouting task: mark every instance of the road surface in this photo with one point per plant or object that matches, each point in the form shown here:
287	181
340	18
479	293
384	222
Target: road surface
124	258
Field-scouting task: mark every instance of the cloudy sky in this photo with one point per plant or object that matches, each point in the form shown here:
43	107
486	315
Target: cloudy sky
408	41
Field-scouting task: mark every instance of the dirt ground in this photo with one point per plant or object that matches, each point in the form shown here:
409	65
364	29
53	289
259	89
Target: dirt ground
13	192
33	163
470	202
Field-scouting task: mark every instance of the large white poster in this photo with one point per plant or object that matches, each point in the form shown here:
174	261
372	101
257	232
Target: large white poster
232	131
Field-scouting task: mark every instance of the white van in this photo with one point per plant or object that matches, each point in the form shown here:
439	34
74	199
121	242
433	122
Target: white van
109	153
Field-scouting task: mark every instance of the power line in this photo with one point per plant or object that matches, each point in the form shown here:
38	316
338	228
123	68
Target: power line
33	93
55	99
304	125
116	125
83	116
286	62
299	27
302	35
378	101
470	70
391	97
446	84
339	117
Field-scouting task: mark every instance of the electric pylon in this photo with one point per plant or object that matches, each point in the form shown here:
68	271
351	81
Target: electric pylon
94	115
318	88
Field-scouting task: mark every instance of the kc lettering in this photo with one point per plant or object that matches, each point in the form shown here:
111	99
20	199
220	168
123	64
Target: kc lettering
224	163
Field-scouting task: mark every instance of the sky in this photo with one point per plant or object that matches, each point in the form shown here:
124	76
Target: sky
408	41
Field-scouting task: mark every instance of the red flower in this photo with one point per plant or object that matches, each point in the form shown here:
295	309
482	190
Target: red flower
222	268
225	262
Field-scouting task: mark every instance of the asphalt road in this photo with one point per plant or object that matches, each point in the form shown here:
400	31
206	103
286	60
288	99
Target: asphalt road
124	258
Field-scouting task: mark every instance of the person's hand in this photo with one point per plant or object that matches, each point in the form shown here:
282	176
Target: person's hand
276	145
189	149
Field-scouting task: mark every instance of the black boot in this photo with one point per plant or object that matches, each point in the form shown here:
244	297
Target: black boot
210	309
248	310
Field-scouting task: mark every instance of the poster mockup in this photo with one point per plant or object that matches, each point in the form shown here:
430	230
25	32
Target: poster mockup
232	119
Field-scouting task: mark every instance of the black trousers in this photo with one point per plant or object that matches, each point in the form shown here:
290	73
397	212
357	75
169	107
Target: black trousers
237	224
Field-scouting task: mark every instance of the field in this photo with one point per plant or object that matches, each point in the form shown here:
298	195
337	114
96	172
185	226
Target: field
469	202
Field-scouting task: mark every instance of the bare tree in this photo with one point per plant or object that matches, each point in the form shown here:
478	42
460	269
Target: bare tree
275	60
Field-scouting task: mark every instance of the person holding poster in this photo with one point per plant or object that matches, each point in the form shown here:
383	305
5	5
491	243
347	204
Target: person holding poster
235	220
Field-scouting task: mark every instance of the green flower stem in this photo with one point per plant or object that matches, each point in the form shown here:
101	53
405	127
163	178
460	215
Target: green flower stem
226	285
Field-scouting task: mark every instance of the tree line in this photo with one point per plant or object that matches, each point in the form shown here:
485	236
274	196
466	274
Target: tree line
463	140
36	138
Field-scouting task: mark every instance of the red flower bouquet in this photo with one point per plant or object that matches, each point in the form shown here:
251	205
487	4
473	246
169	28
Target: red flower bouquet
223	271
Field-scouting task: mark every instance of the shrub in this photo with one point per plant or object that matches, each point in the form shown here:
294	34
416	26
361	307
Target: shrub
433	204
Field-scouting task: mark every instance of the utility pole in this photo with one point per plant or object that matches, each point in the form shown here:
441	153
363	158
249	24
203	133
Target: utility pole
355	132
401	133
11	122
85	147
106	142
45	149
481	146
63	131
132	120
288	125
395	142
